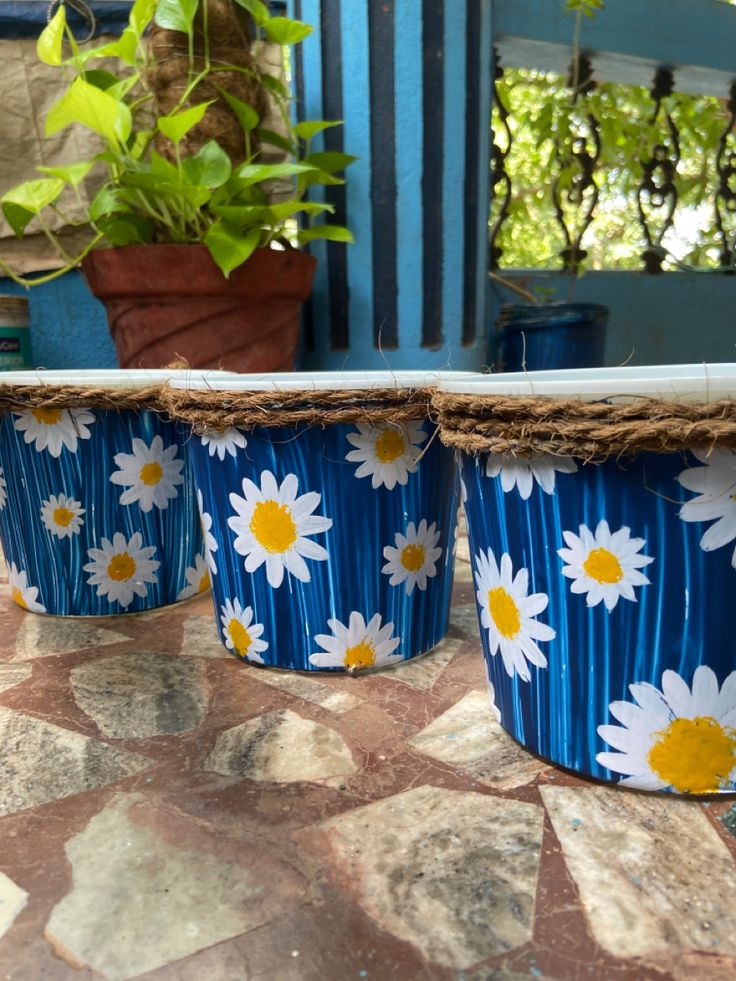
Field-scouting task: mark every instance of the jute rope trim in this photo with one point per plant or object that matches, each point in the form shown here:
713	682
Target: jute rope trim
586	430
21	398
207	409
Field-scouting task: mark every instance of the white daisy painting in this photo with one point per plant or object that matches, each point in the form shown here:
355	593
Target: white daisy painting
197	577
3	490
605	565
273	523
509	614
242	636
54	429
357	645
210	542
412	561
122	569
25	595
386	453
225	442
523	472
62	515
150	473
715	486
678	738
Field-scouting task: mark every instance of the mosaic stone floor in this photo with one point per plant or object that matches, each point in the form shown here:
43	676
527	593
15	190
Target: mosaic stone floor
169	813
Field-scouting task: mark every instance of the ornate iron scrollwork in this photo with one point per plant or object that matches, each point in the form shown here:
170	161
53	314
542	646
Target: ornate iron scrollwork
574	191
725	202
657	193
500	179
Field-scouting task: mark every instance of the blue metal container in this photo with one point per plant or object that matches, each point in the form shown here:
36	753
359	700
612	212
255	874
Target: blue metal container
97	509
550	335
329	548
603	594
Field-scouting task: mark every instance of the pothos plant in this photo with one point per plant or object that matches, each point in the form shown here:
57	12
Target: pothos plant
204	197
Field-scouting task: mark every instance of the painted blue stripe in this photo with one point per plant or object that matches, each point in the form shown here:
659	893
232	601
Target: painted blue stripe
409	141
453	193
485	83
356	103
311	58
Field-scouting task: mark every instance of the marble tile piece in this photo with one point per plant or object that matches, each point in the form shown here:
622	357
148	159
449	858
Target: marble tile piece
139	901
450	872
13	674
42	636
282	747
307	688
423	672
12	901
41	762
653	874
464	616
137	694
468	737
200	638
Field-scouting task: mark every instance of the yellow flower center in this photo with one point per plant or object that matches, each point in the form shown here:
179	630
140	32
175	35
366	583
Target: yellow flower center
603	566
362	655
63	517
151	473
204	582
273	526
694	755
18	598
49	417
390	445
121	567
412	558
239	636
504	611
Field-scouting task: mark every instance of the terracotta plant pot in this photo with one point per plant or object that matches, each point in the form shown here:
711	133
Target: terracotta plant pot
170	302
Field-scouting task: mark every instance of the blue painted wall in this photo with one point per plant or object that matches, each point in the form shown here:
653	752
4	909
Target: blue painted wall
411	79
68	325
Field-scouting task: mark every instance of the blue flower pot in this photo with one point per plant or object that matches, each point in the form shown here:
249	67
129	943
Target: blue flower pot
97	509
550	335
602	594
329	548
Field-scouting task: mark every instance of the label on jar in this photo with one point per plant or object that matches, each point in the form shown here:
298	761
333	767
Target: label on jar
15	348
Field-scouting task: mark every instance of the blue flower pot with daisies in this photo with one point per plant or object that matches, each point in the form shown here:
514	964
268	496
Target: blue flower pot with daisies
603	587
329	547
97	510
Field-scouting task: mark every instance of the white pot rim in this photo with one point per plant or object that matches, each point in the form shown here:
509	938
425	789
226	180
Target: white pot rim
316	381
689	383
92	377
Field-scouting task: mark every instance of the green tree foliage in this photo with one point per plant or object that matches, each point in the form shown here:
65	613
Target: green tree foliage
544	122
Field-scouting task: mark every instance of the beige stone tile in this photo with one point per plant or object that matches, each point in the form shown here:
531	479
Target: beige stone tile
201	639
423	672
138	694
44	636
282	747
464	617
139	902
13	674
294	683
452	873
468	737
12	901
41	762
653	874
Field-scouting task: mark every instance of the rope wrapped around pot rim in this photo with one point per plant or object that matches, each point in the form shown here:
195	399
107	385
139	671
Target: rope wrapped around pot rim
211	409
590	431
22	398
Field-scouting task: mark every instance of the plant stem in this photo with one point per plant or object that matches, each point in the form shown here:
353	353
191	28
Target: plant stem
40	280
514	287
